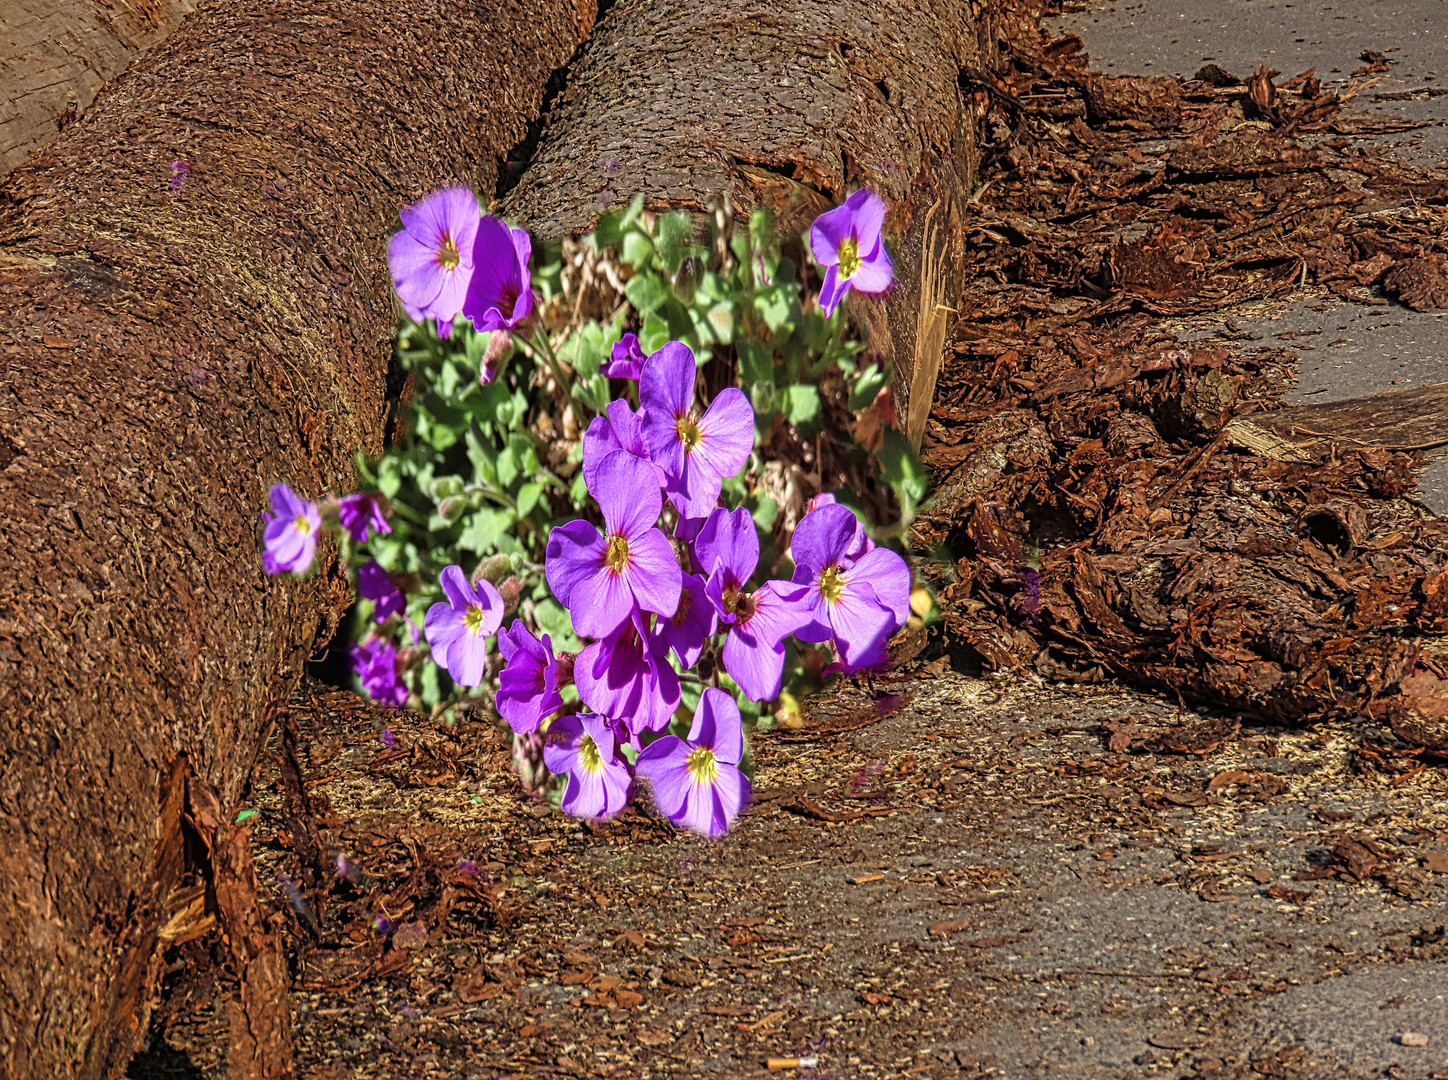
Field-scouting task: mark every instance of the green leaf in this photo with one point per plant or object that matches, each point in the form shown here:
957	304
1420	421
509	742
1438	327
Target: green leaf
646	291
764	513
528	496
672	237
756	364
902	470
508	465
868	385
554	621
774	307
654	334
485	529
636	250
801	404
389	476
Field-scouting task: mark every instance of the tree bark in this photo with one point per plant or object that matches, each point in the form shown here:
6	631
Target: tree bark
788	104
55	55
174	341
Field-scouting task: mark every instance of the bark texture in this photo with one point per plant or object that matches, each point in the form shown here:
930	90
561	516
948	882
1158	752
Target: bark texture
172	344
55	55
789	104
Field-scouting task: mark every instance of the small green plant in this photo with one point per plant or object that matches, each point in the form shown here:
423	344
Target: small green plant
483	508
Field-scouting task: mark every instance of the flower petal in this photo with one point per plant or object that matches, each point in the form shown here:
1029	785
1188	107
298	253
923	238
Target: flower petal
574	553
756	665
726	433
627	492
664	764
731	794
441	627
832	291
875	273
889	577
867	212
455	585
829	230
822	538
467	658
717	726
666	384
653	573
860	621
780	609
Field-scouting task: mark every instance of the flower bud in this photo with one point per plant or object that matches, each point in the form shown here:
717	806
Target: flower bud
492	570
565	669
452	508
686	281
445	487
511	590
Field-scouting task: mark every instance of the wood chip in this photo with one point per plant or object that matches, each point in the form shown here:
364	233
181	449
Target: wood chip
863	879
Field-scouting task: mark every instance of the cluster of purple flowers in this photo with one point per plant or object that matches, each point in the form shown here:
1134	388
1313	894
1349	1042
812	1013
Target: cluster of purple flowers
652	603
290	530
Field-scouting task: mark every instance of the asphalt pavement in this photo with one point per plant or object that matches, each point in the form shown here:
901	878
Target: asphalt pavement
1345	351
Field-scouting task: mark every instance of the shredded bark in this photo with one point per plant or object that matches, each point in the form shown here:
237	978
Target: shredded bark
1118	502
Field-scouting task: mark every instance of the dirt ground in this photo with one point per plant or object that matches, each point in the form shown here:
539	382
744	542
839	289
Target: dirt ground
948	875
976	884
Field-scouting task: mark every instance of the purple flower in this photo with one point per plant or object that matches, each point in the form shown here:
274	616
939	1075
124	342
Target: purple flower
626	361
289	540
628	676
584	749
375	663
457	629
500	294
431	258
692	623
528	685
697	783
376	584
861	543
859	604
619	430
603	579
360	512
696	452
179	169
846	241
756	623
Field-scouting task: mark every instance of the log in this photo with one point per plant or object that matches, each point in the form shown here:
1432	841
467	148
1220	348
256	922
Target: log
787	104
175	340
55	55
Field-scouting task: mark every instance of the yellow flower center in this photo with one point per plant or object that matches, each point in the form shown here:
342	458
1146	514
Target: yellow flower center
832	584
590	758
690	434
473	618
849	255
447	254
301	524
738	603
616	557
702	765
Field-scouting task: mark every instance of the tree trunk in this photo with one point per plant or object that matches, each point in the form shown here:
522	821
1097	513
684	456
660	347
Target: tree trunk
789	104
175	340
56	54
